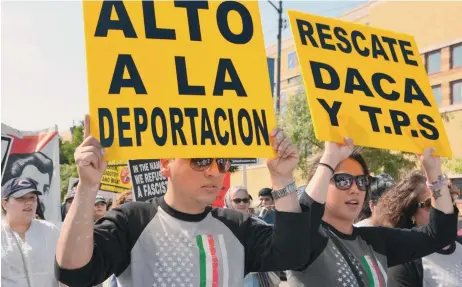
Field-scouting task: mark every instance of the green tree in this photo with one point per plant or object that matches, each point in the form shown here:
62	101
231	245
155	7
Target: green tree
296	121
66	157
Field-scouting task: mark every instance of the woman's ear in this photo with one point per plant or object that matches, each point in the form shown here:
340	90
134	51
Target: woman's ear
165	167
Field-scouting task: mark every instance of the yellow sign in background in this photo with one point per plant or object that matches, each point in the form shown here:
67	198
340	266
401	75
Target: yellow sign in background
164	85
368	84
116	177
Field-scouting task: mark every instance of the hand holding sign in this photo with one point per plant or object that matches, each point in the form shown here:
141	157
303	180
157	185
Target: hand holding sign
335	153
89	158
281	168
431	164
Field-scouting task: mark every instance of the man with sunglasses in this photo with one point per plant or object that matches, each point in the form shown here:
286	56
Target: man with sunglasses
178	240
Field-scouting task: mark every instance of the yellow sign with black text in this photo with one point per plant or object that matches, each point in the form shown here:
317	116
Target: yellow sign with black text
368	84
178	79
116	177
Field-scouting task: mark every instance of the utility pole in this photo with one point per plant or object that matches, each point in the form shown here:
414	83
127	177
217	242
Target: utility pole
278	88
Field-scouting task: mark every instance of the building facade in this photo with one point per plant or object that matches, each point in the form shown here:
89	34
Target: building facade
437	29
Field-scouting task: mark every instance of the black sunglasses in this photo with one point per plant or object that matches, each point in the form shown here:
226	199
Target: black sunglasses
427	203
239	200
202	164
344	181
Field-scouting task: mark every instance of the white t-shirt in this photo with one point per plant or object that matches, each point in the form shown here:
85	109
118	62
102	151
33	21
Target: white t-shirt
443	270
39	249
364	223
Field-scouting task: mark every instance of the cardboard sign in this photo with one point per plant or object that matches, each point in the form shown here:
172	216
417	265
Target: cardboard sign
116	178
368	84
178	79
147	180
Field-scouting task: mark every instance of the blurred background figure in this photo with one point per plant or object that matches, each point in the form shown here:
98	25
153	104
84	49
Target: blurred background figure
100	207
126	196
379	185
267	212
408	205
68	200
238	198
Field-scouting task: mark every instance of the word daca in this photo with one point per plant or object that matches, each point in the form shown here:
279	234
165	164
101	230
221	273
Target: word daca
346	42
152	31
246	126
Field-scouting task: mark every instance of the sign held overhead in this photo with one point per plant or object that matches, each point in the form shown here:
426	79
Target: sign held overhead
368	84
172	79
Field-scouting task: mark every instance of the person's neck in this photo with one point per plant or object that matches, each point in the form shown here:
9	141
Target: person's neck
341	225
183	204
19	227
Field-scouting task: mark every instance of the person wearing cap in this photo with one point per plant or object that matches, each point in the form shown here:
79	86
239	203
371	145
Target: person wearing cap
28	244
267	212
100	207
68	200
379	185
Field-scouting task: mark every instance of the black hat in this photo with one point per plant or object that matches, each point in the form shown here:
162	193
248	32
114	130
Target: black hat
18	187
380	184
265	192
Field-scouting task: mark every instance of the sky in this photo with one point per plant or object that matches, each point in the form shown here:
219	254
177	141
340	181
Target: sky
43	79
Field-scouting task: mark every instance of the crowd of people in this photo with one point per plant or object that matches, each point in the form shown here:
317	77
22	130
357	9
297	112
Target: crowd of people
343	228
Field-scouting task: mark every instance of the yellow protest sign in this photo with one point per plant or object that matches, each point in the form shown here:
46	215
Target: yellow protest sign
368	84
178	79
116	177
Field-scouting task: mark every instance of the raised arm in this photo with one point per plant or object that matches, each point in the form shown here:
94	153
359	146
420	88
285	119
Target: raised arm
404	245
75	243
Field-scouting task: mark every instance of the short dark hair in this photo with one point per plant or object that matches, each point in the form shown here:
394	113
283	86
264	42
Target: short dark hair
17	163
265	192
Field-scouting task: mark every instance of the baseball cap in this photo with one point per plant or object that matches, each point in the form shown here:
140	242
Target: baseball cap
69	195
100	198
18	187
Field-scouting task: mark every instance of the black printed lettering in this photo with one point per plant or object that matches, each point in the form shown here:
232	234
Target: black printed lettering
243	114
400	119
331	111
192	11
192	113
176	126
247	24
159	139
225	66
351	86
376	82
261	127
354	37
425	121
305	30
324	36
106	141
206	128
391	45
150	25
123	126
372	111
409	95
406	53
377	48
118	82
141	123
319	82
123	23
341	34
182	79
222	139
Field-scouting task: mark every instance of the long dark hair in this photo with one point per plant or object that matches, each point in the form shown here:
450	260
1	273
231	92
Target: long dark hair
398	205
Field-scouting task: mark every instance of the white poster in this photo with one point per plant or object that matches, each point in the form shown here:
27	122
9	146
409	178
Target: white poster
34	155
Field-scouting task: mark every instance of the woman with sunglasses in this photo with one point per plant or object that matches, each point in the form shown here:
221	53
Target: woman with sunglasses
344	255
409	205
238	198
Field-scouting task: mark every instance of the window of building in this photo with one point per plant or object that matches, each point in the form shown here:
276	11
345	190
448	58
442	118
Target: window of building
456	92
433	62
456	56
437	94
292	60
292	80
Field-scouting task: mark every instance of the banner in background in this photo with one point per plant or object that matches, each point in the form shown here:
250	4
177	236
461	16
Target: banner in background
188	91
36	155
147	181
368	84
116	178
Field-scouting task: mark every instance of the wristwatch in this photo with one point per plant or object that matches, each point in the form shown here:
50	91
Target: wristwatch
288	189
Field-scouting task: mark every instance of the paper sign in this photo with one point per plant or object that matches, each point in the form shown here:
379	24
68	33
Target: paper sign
116	178
147	180
178	79
368	84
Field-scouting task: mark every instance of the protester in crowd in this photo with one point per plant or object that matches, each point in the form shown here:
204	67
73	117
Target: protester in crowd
213	246
346	255
409	205
68	200
379	185
28	245
99	208
238	198
267	205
